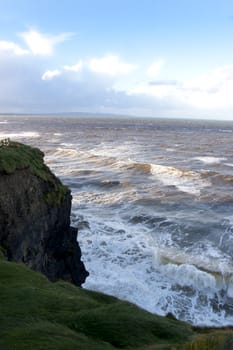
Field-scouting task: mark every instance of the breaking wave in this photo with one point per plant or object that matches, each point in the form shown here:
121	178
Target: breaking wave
185	180
20	135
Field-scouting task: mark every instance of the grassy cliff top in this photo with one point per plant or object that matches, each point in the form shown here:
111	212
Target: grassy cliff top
15	155
37	314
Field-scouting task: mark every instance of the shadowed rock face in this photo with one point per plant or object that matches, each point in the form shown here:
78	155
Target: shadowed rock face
35	221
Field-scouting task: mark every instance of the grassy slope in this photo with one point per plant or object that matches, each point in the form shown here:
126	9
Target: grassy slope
37	314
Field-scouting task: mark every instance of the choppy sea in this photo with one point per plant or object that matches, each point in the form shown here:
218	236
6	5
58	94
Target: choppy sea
153	201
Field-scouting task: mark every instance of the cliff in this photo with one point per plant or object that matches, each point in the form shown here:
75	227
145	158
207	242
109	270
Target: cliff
35	216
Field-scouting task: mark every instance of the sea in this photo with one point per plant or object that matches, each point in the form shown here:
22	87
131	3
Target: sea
153	203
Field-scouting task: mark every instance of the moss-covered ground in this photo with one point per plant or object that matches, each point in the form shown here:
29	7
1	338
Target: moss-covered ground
38	314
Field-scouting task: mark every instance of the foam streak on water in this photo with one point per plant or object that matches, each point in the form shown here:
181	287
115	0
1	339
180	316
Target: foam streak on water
153	201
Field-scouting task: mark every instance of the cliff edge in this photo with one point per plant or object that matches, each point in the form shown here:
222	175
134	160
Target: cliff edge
35	216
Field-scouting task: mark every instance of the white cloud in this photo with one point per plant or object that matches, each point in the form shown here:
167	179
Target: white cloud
41	44
155	68
111	65
75	68
50	74
88	85
106	68
158	91
12	48
210	91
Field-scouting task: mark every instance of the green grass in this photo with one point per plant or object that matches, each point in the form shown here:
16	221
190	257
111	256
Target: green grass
38	314
20	156
17	156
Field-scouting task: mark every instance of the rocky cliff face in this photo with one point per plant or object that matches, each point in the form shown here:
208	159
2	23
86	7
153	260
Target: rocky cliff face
35	216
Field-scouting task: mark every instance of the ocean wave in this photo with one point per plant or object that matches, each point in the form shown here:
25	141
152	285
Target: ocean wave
90	196
23	134
185	180
66	152
109	183
217	178
187	275
132	166
197	271
210	160
94	184
75	154
204	263
67	144
147	220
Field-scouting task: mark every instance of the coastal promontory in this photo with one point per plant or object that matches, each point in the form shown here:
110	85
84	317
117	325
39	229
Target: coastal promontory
35	215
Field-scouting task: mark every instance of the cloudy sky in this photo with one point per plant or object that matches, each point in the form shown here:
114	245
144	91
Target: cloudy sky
162	58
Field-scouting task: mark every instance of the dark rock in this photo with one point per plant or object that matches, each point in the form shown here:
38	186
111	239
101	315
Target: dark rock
35	222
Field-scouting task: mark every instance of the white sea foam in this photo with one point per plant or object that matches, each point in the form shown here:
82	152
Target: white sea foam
105	198
66	152
230	287
210	160
139	278
113	150
212	261
189	275
124	260
185	180
229	218
19	135
67	144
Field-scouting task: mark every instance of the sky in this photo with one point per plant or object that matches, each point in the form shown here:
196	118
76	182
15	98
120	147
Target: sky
156	58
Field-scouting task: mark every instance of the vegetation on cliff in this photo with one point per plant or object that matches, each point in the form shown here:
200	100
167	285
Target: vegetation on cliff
38	314
17	156
35	215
